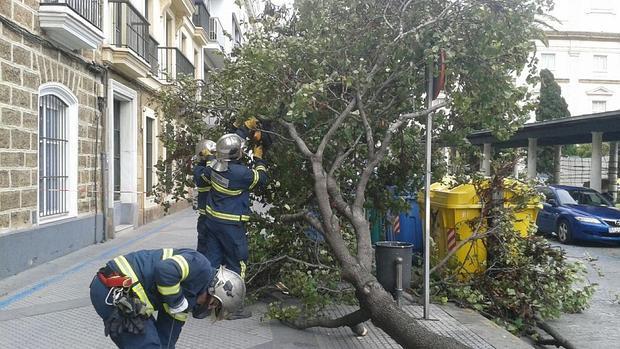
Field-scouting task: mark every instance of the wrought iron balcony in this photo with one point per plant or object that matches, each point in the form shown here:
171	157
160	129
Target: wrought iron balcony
173	63
153	58
90	10
129	28
201	15
72	23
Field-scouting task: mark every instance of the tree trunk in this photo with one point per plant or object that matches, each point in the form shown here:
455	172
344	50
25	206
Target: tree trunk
613	170
385	314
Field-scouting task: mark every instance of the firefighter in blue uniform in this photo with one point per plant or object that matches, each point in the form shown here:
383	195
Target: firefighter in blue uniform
205	150
227	205
173	282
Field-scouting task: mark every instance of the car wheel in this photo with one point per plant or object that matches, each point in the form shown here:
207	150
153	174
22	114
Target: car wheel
564	234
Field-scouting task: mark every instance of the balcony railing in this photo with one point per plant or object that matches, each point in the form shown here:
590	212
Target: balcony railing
130	29
172	63
152	56
90	10
216	33
201	15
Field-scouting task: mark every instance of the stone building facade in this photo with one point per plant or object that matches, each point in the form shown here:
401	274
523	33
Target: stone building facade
33	71
78	126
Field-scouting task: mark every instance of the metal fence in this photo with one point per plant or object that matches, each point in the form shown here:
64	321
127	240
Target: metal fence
53	142
90	10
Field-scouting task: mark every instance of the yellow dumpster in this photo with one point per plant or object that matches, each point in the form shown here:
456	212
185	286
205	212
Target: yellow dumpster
453	211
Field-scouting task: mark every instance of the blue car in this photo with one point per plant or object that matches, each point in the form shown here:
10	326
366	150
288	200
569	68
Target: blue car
575	213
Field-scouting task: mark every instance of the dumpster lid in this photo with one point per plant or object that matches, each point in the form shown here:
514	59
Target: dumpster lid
394	244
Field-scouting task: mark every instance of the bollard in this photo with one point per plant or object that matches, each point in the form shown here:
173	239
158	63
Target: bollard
399	280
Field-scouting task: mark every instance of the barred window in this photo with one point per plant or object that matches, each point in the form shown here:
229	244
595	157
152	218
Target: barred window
53	156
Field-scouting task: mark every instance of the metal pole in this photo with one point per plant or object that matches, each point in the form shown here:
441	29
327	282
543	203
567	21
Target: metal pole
427	195
399	281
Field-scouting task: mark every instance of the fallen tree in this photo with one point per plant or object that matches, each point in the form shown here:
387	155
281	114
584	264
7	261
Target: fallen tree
342	85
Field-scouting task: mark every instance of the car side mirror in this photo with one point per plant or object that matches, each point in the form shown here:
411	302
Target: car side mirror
552	202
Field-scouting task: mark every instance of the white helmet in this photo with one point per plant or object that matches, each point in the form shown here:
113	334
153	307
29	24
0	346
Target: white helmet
202	145
228	147
228	287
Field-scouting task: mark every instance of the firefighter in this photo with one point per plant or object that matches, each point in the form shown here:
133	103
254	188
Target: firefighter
227	206
204	156
173	282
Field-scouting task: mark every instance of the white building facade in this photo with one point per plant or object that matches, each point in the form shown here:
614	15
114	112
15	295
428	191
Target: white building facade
584	54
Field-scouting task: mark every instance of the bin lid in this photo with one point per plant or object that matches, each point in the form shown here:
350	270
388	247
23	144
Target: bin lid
394	244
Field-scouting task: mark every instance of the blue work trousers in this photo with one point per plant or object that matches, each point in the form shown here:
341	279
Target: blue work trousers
162	332
222	243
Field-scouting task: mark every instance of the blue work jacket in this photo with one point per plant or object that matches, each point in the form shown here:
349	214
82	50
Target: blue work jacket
167	277
228	200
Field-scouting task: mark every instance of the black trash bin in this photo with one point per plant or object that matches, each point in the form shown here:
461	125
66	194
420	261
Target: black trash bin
386	254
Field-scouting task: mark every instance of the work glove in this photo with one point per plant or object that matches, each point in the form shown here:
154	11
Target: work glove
257	151
113	325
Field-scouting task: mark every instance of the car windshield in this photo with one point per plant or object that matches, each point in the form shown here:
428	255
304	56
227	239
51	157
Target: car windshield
590	198
564	197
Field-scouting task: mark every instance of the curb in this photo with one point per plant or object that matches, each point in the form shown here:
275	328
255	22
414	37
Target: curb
492	333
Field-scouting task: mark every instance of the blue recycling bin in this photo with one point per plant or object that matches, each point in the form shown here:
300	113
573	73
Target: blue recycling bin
410	226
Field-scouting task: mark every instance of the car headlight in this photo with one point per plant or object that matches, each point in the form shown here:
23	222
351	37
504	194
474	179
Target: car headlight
588	220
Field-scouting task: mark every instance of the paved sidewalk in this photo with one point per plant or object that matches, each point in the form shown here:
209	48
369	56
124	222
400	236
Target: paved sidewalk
48	307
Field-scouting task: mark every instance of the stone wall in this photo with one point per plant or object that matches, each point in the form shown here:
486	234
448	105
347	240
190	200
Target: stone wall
25	64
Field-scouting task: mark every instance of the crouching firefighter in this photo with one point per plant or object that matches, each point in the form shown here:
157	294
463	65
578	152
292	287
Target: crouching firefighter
174	282
222	233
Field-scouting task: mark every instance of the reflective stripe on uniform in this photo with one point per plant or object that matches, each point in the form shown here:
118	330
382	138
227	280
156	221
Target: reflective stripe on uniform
226	216
203	189
261	168
180	260
167	253
226	191
255	181
178	316
137	288
169	290
243	268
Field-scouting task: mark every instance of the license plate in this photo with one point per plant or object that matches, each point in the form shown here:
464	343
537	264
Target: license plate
614	230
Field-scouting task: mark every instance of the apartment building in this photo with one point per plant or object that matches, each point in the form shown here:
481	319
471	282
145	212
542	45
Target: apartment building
78	123
584	54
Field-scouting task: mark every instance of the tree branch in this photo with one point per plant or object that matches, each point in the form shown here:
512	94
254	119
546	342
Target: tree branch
298	140
428	23
334	127
350	320
369	137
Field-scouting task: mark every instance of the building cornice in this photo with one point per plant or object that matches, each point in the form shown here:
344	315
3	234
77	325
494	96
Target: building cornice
583	36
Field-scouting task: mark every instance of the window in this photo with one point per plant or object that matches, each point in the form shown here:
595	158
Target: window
117	150
149	156
599	106
236	32
183	43
53	140
548	61
600	63
57	177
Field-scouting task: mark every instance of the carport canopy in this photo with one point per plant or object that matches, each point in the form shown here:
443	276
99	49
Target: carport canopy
571	130
591	128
